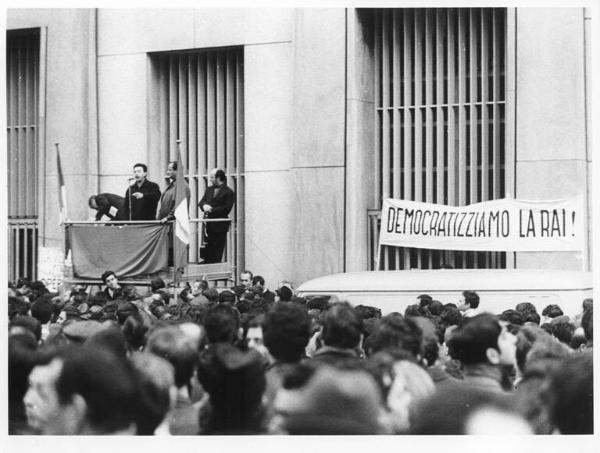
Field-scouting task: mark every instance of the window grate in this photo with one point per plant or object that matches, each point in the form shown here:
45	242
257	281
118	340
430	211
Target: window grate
440	100
22	93
201	103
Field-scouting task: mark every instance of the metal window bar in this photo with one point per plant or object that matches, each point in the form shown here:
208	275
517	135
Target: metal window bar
204	101
440	112
22	88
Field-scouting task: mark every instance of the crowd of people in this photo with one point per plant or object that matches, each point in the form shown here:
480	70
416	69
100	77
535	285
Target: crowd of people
248	360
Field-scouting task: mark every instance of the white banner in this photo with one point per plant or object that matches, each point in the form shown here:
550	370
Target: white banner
497	225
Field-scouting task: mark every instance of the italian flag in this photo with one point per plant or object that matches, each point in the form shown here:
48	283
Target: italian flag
182	219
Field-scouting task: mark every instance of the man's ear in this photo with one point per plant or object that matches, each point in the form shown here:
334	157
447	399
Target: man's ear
75	414
493	356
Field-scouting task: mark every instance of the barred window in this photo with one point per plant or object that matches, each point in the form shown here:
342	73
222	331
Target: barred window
440	83
201	103
22	95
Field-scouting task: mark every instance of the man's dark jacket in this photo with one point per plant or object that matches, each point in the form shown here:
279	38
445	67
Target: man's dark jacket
105	201
221	204
145	207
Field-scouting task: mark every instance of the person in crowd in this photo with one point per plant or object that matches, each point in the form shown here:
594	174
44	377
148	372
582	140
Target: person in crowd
246	277
22	349
166	211
399	336
216	203
570	394
83	391
486	350
467	410
562	329
113	289
172	344
588	327
157	391
107	204
330	401
141	197
469	304
410	385
284	294
26	323
42	310
550	312
341	335
259	282
235	382
286	331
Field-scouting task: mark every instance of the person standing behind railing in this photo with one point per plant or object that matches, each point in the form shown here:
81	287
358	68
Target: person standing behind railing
216	204
141	197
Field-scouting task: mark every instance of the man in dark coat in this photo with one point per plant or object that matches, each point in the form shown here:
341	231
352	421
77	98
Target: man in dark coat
216	204
107	204
143	196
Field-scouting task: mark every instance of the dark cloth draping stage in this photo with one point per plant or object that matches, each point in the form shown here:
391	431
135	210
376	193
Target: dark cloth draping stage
128	250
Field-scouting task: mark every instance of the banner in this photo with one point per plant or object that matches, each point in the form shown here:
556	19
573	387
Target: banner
128	250
496	225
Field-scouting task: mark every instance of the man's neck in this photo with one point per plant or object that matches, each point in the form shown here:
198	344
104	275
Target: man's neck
139	183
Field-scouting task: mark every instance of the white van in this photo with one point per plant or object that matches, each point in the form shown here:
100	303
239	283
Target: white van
498	289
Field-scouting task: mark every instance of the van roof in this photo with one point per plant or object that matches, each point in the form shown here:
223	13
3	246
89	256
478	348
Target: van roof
451	280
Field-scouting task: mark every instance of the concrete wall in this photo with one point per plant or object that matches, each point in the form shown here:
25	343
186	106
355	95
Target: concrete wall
317	246
70	113
552	159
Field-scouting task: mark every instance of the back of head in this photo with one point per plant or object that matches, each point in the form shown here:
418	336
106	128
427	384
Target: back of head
110	338
42	309
587	322
106	382
172	344
393	332
156	378
235	381
469	342
451	411
571	394
342	327
222	323
526	338
156	284
471	298
285	294
552	311
286	331
28	323
367	312
335	401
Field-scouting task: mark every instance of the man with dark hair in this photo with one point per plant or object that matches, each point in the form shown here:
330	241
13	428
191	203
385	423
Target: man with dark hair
588	326
394	333
550	312
141	197
222	324
286	331
259	282
172	344
83	391
107	204
341	335
486	350
469	304
571	395
216	204
235	382
156	384
166	211
42	310
113	289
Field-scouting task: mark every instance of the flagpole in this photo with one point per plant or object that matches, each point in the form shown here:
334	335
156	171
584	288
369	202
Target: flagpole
173	227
